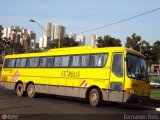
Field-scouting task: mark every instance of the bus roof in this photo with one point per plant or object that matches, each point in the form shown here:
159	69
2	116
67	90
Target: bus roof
75	50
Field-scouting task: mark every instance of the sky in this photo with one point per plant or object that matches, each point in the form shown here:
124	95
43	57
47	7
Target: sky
82	15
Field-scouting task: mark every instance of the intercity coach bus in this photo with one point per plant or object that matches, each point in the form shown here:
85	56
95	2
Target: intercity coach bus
113	74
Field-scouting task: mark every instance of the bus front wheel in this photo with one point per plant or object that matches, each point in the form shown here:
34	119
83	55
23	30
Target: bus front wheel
31	91
19	90
95	97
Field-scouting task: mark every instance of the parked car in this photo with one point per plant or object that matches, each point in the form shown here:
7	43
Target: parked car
155	84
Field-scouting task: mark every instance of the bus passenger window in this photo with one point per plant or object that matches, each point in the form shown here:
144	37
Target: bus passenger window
46	61
21	62
65	61
117	65
57	61
84	60
98	60
32	62
75	61
9	63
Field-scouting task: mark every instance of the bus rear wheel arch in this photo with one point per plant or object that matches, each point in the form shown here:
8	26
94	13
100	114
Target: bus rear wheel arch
30	88
19	89
94	96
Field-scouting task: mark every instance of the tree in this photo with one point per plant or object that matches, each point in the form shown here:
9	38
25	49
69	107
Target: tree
1	28
108	41
5	45
18	48
134	42
64	42
68	42
155	52
31	50
146	50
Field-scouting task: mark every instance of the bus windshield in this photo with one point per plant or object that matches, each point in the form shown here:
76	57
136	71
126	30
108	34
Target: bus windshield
136	67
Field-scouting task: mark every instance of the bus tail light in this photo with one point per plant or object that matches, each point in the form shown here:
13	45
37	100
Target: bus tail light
128	90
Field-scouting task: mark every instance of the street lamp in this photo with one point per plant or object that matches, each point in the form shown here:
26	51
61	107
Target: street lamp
59	41
31	20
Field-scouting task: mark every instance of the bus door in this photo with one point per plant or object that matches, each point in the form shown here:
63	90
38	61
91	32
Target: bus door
116	78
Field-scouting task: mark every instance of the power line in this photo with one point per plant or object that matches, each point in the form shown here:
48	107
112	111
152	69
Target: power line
119	21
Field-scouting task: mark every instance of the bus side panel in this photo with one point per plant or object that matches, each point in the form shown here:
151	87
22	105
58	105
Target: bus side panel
7	78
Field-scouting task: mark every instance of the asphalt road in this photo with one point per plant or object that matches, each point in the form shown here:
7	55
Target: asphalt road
50	107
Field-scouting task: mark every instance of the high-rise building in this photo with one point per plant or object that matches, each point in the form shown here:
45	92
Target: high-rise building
58	31
93	40
20	35
5	33
81	39
32	42
49	31
43	42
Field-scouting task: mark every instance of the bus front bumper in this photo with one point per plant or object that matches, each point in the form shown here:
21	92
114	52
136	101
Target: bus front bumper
134	98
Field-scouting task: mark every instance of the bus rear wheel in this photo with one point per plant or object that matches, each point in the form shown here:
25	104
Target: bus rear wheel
19	90
95	97
31	91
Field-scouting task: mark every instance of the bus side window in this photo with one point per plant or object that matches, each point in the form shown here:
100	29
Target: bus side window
98	60
46	61
75	61
21	62
49	61
42	61
65	61
57	61
84	60
32	62
117	65
9	63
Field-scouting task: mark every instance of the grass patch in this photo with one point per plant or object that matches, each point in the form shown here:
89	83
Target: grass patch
155	94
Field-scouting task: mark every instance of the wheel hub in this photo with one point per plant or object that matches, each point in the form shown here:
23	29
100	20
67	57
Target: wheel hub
30	91
94	97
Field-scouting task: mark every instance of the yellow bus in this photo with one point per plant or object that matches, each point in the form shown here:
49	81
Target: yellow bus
113	74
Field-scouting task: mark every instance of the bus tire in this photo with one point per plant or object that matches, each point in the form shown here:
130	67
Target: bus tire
31	91
95	97
19	90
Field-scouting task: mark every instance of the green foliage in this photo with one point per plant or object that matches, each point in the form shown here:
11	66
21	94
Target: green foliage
146	50
156	51
17	48
31	50
65	42
108	41
151	53
155	94
9	47
134	42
